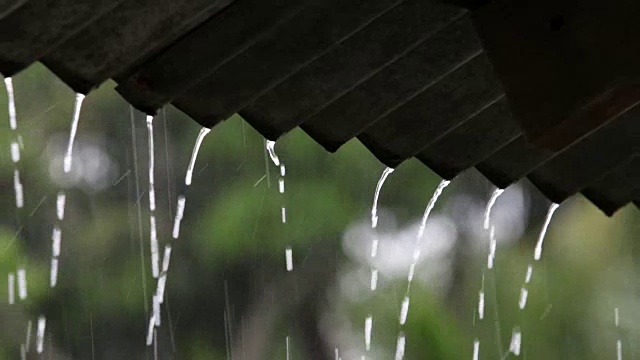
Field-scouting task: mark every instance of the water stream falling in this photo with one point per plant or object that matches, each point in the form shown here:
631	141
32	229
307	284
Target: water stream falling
18	188
158	297
153	233
616	322
490	261
368	323
516	335
68	157
11	291
400	346
56	233
270	146
42	323
404	308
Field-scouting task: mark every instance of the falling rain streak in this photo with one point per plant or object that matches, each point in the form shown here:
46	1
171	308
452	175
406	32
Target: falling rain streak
270	146
17	186
158	297
153	233
42	323
373	284
490	261
538	251
616	321
56	235
368	326
400	346
22	284
476	349
11	280
404	308
516	336
516	342
68	157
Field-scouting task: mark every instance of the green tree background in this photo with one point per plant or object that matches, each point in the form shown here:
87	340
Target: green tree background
228	293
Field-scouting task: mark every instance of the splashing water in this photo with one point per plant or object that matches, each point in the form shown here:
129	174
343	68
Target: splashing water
270	147
68	157
42	324
404	309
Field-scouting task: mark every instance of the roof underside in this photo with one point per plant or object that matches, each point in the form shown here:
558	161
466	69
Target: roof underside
407	78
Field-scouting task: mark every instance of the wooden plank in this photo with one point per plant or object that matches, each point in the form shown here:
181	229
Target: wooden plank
573	169
347	116
512	162
473	141
135	29
419	122
36	27
310	34
187	61
365	53
616	188
568	66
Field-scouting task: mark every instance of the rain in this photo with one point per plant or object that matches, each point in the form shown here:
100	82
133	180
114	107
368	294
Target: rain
275	261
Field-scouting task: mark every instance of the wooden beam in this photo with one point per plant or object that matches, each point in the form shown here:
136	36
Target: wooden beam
567	66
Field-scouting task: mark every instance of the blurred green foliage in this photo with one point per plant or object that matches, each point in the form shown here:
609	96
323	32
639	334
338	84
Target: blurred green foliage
228	294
